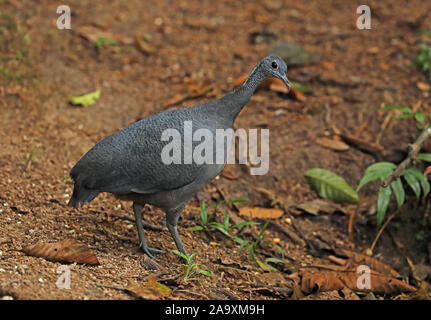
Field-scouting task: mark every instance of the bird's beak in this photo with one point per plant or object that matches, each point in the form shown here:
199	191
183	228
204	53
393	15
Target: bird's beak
286	81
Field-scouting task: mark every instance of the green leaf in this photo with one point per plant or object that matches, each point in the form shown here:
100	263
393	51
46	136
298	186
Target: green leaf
381	166
396	107
274	260
382	203
371	176
330	185
86	99
204	214
397	188
424	157
238	200
162	288
182	255
265	266
196	228
419	116
422	179
218	226
413	182
226	220
378	170
259	236
204	272
190	259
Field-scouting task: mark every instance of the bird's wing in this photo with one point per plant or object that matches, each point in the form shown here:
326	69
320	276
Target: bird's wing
130	161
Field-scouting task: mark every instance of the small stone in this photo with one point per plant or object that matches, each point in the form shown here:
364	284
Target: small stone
40	280
292	54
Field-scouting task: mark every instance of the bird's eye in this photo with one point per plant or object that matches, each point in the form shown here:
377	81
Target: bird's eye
274	65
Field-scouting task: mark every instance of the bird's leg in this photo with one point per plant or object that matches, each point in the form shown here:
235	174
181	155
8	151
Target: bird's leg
137	208
172	217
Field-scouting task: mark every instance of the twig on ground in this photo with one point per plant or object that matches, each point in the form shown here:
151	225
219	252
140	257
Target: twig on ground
414	150
362	145
265	287
381	230
351	225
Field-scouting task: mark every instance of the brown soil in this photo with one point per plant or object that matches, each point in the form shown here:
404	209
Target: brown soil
42	136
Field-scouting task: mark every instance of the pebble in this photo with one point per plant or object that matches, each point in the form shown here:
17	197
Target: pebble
40	280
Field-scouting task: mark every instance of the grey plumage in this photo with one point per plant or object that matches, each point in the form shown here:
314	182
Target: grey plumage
128	163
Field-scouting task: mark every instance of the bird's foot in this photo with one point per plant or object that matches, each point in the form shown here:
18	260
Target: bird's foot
150	251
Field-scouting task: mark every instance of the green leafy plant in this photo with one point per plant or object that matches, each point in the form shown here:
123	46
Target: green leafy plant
192	269
423	59
209	222
252	245
422	121
331	186
412	176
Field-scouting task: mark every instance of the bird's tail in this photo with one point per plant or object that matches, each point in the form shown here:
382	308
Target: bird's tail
81	195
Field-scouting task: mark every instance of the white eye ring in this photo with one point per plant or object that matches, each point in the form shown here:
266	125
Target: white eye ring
274	65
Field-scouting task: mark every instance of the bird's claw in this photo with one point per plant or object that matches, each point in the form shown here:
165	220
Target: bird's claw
150	251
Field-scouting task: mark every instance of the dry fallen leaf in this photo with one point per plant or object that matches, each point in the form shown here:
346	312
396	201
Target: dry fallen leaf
69	250
263	213
332	144
152	290
356	258
142	43
325	280
229	173
423	86
316	206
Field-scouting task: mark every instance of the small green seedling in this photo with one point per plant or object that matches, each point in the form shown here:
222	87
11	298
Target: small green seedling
192	269
251	247
208	220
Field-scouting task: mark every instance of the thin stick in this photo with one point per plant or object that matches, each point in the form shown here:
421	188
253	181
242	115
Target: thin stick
381	230
351	225
414	150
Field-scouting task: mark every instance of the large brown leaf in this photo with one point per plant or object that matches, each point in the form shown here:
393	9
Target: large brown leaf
324	280
356	258
69	250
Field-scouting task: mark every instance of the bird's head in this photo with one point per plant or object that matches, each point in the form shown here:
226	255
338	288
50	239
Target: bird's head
274	66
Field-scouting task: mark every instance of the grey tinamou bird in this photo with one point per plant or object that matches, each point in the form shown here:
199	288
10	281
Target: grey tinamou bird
129	165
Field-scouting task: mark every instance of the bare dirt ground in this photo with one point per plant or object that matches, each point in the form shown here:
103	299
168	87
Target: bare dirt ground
197	42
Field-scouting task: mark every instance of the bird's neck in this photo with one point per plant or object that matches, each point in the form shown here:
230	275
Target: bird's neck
234	101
